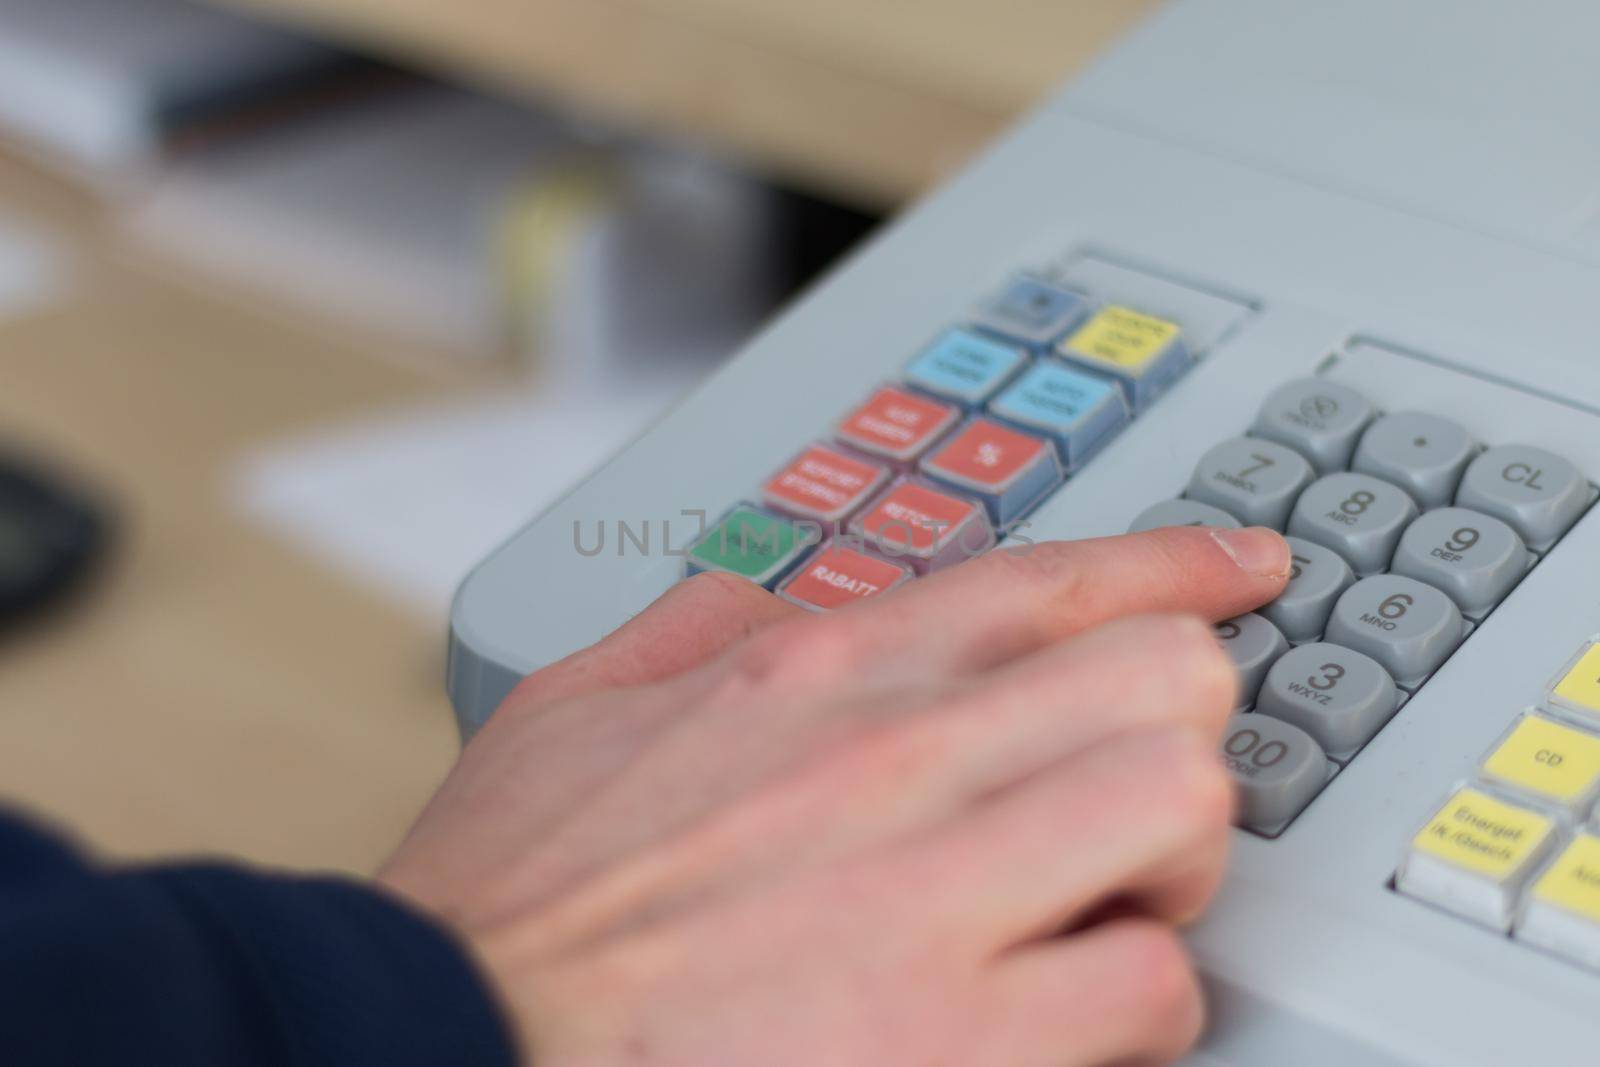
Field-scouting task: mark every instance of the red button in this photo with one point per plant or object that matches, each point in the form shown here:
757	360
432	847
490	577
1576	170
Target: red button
837	576
896	424
986	455
914	519
824	485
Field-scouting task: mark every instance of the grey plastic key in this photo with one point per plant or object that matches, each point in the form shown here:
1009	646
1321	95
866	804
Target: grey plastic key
1182	513
1032	311
1474	558
1337	695
1356	515
1317	576
1536	493
1253	644
1421	453
1255	481
1319	419
1408	627
1277	769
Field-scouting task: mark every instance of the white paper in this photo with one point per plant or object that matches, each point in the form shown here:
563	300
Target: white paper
408	503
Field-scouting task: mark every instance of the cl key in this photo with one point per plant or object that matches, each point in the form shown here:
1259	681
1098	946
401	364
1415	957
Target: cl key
1536	493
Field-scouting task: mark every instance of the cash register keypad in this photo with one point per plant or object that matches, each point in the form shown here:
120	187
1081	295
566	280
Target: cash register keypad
1404	532
983	425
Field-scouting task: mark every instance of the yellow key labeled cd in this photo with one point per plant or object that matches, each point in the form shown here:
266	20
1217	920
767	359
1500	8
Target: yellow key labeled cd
1548	760
1476	832
1125	340
1573	880
1579	688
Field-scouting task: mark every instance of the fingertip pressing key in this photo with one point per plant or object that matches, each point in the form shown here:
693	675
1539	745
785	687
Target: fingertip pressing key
1258	551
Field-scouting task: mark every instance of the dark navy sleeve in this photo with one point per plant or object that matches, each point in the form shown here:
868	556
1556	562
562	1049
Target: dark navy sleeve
217	966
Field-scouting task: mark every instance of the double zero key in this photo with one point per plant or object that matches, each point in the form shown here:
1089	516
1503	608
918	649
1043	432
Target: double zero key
1276	768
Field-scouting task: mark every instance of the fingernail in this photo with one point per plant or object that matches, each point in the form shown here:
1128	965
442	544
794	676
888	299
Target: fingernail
1257	550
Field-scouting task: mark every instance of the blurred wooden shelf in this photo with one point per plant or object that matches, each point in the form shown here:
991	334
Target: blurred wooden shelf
870	100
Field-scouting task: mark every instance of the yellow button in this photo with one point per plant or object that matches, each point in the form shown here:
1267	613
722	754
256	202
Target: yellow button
1548	760
1122	338
1477	832
1573	880
1580	687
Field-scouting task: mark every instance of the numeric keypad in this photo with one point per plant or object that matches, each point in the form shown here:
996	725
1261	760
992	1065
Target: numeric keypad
1389	561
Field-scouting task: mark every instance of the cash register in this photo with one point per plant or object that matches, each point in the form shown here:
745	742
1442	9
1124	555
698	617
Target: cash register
1329	268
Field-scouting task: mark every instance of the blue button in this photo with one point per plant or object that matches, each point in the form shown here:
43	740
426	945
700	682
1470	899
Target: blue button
1033	312
1079	411
964	366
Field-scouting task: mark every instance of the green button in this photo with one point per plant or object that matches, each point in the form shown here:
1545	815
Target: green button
749	543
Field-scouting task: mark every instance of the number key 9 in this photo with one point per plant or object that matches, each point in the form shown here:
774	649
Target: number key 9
1474	558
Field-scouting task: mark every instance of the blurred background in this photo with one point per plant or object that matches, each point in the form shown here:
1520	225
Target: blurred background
306	304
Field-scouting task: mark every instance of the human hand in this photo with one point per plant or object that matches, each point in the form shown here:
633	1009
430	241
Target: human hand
951	825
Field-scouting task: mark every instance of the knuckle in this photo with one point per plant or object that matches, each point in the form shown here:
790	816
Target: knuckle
718	590
1201	664
1173	549
793	652
716	586
1052	563
899	750
755	662
1034	562
1194	782
1164	978
1175	782
876	754
819	648
1188	635
1050	575
1009	569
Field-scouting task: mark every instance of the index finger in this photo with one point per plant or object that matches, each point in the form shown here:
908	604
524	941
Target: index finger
689	625
1008	603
